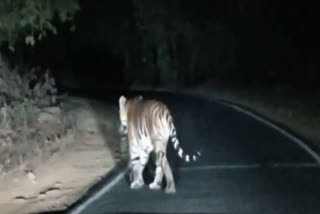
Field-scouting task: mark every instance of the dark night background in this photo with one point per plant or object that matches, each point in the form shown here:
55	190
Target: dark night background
261	55
250	43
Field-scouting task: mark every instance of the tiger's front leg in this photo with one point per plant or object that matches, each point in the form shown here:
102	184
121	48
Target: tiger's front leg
136	175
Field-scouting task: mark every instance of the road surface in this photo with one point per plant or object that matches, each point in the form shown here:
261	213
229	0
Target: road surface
246	167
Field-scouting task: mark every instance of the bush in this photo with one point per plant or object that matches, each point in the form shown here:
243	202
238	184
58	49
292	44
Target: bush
23	98
21	95
31	20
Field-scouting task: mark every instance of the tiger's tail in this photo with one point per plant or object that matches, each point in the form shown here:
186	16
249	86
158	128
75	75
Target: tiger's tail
177	147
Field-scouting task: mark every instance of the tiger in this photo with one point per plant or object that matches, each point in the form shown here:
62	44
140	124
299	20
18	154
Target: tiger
149	126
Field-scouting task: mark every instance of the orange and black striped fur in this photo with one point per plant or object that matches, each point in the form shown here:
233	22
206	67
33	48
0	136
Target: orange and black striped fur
149	126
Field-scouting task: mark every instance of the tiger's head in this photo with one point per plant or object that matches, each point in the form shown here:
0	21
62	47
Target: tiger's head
124	104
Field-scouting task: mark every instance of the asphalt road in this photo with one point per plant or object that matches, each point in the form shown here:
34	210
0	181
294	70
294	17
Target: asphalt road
246	167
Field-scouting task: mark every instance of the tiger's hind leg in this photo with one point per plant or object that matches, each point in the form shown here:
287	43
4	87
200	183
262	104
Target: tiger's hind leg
170	188
163	169
156	184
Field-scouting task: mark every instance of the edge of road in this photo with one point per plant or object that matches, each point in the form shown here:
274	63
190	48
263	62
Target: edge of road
299	140
101	187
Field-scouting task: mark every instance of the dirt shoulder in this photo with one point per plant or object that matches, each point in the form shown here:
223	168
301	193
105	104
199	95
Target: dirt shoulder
90	150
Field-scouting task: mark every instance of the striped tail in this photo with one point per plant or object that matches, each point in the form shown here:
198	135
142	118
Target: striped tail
176	146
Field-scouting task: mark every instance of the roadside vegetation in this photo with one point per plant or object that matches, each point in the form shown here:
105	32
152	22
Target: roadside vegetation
31	121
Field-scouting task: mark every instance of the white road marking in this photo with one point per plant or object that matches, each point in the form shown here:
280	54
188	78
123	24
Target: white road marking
252	166
98	194
222	166
295	139
295	165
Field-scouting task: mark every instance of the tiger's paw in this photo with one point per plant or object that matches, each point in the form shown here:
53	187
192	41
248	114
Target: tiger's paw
154	186
170	190
136	185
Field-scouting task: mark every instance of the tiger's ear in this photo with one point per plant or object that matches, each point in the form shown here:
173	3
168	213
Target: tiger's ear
122	101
